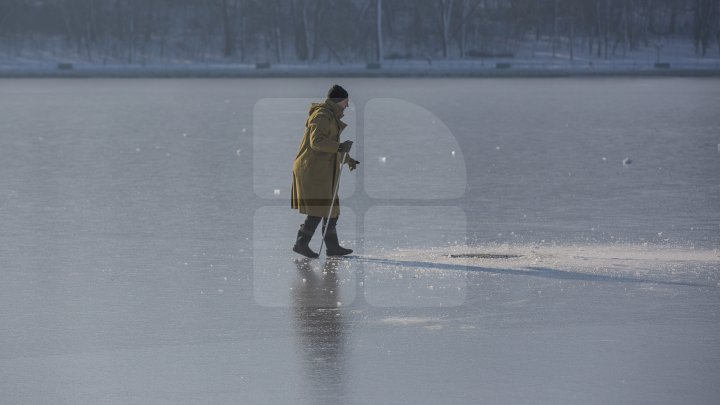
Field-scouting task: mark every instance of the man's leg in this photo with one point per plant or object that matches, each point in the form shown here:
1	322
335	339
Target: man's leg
302	243
331	239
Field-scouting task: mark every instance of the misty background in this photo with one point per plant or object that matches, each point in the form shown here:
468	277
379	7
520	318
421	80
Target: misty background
350	31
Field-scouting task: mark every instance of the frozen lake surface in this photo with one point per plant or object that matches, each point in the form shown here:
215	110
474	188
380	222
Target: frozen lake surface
146	235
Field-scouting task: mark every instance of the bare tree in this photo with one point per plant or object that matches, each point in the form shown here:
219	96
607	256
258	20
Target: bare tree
310	13
378	23
139	30
445	13
467	9
229	11
277	33
705	22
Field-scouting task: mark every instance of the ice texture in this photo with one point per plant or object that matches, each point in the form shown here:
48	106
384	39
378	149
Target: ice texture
145	259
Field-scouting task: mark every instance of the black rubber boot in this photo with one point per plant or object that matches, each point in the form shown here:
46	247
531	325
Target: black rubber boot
302	243
331	241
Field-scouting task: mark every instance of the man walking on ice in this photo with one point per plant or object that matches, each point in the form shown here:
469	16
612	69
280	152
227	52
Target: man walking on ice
316	173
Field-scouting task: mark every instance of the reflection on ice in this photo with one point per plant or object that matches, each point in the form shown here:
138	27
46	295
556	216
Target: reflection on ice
320	330
274	273
313	290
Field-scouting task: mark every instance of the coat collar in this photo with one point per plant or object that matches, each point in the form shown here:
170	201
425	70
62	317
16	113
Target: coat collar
334	107
337	112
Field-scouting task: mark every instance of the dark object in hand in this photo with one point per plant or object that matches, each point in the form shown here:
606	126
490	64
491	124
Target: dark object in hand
345	147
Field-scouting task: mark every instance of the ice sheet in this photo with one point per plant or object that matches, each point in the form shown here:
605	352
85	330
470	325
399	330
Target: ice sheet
145	256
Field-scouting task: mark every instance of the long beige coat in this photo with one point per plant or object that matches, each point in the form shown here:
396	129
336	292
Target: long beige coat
317	164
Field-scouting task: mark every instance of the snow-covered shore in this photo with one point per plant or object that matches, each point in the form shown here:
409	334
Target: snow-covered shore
676	57
466	68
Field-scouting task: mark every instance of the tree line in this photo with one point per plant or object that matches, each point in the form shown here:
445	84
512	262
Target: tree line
342	31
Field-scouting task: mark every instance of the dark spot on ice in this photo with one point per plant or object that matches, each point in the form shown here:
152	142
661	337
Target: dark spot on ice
483	256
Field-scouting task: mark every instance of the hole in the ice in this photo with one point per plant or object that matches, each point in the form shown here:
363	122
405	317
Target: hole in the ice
483	256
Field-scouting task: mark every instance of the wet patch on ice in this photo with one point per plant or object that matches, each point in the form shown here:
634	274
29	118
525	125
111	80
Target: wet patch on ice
411	321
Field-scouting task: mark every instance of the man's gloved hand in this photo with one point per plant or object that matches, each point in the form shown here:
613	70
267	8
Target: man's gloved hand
352	163
345	147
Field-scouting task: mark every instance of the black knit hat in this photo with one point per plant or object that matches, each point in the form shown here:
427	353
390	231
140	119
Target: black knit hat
337	93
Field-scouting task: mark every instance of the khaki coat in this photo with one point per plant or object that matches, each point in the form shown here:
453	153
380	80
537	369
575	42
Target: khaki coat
317	163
